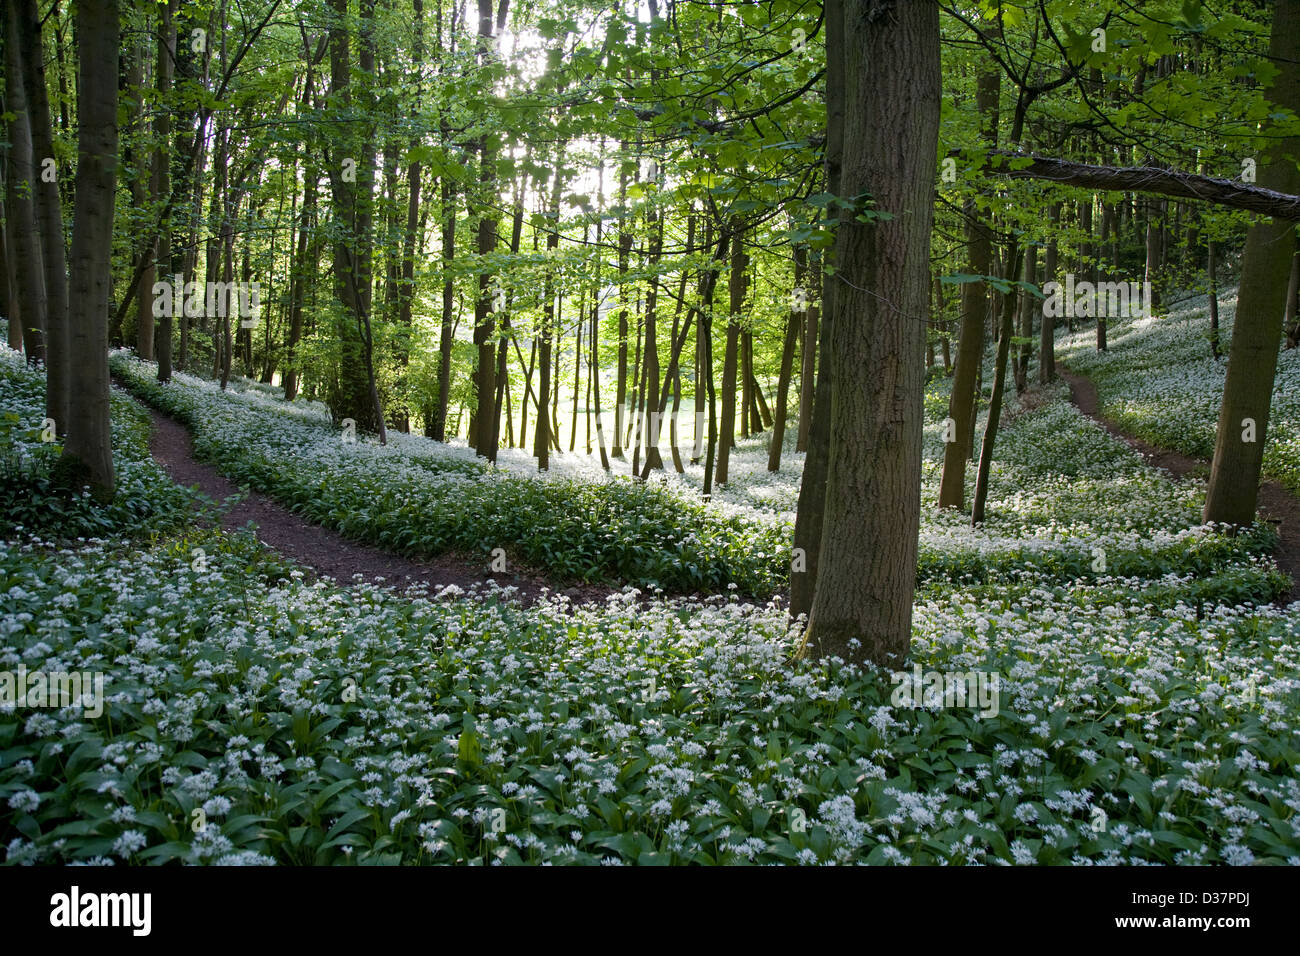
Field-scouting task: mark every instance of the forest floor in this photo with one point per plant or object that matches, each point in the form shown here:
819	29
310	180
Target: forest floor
316	723
329	553
1278	505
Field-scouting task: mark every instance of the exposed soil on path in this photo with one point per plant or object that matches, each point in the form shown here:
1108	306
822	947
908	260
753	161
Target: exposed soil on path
1276	504
329	553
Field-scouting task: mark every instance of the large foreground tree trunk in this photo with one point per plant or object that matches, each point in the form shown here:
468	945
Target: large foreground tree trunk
88	453
1233	491
862	603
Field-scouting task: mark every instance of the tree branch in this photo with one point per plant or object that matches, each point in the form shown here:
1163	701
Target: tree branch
1149	179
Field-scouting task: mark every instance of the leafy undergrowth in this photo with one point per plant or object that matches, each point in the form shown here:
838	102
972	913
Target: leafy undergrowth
252	718
31	502
1138	707
1160	381
415	496
1066	501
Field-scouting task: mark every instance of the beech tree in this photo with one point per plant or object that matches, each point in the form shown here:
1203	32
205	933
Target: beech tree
888	63
1233	491
87	453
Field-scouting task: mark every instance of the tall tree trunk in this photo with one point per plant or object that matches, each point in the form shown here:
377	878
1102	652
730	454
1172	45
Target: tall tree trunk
594	376
225	353
1211	271
1027	303
1233	491
414	173
945	330
484	326
1292	288
763	414
963	401
808	357
528	383
862	603
555	377
657	404
162	184
1107	224
50	220
678	466
810	514
298	273
792	326
438	429
995	400
544	436
1152	271
12	310
1047	331
351	178
702	370
706	320
736	286
577	370
141	197
747	425
20	205
88	452
624	254
634	406
650	378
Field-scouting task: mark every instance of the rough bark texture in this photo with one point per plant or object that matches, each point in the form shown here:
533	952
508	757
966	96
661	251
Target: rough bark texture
1233	492
862	604
87	453
1281	203
812	488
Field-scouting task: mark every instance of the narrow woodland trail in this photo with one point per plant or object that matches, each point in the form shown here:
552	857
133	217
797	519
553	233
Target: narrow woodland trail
329	553
1276	503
